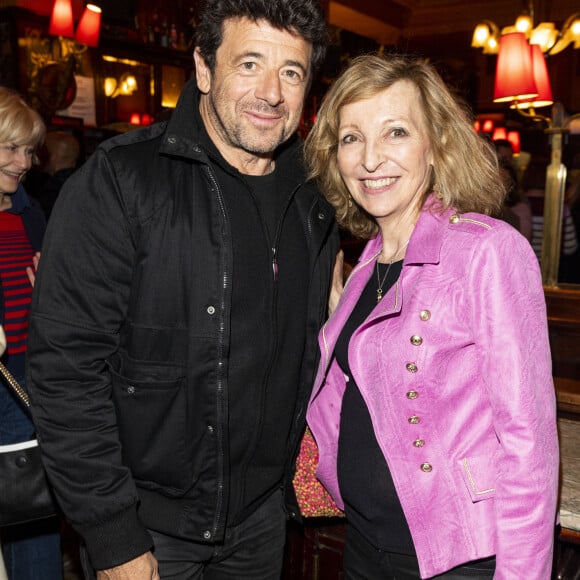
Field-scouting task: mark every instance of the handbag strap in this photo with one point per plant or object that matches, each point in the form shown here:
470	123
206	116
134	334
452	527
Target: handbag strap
20	392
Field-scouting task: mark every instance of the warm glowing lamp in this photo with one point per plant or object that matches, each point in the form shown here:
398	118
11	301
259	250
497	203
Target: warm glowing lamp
110	86
514	79
127	84
135	119
485	36
487	126
477	126
542	81
514	138
544	35
89	26
524	23
499	133
480	35
61	19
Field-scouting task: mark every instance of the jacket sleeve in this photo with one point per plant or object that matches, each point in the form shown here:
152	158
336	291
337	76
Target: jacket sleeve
79	304
509	313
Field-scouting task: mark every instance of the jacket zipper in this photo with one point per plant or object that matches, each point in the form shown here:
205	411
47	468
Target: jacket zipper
220	368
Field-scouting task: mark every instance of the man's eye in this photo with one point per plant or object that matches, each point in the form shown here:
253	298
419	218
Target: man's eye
249	65
294	76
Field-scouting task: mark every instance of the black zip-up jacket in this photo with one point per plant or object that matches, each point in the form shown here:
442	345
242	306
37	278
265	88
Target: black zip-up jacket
129	337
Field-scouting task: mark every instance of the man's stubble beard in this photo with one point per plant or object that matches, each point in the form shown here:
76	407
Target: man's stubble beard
246	138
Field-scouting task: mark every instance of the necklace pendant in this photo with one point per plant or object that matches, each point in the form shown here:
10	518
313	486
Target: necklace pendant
379	295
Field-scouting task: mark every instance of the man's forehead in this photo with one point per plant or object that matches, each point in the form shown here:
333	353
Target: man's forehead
241	30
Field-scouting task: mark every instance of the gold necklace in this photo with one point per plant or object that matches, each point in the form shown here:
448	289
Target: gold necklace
391	261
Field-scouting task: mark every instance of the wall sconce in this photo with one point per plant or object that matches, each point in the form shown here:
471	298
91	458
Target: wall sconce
89	26
544	97
61	19
514	79
126	85
483	125
88	30
487	34
499	133
52	62
140	119
521	78
514	138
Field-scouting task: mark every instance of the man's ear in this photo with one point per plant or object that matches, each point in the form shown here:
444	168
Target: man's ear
202	72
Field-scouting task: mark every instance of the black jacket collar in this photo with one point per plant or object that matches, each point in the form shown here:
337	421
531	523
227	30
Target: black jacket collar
185	136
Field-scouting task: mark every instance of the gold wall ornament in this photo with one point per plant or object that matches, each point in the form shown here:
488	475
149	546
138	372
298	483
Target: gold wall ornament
51	63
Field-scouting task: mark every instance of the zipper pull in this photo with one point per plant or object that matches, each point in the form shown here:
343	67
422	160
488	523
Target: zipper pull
274	265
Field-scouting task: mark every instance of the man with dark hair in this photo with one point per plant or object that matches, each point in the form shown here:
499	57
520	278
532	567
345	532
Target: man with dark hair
183	280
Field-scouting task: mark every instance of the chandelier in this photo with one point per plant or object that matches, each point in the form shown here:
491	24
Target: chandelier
522	82
487	34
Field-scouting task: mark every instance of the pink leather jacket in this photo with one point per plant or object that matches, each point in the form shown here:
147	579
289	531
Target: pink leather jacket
454	365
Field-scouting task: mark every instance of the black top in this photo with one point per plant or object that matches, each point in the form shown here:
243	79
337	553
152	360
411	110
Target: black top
371	502
267	326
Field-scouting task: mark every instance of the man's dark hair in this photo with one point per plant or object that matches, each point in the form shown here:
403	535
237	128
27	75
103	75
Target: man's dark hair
304	17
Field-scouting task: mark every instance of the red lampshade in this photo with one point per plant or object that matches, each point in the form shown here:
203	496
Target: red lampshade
89	26
499	133
541	79
135	119
514	78
61	19
487	126
514	138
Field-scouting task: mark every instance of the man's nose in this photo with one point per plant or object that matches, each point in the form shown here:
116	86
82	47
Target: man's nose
270	88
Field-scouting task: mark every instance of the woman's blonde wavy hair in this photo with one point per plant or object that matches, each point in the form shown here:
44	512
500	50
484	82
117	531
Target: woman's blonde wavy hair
465	169
19	123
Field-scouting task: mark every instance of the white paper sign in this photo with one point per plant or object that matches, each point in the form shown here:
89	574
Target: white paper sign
84	104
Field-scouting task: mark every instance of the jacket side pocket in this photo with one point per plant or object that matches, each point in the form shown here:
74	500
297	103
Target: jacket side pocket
151	418
478	474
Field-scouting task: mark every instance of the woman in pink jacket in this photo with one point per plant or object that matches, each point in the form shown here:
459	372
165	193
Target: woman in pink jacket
434	406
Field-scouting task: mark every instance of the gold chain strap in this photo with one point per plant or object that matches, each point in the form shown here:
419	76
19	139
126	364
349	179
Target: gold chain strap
14	384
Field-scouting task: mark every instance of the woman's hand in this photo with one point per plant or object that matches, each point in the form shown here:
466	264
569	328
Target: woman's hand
337	282
31	270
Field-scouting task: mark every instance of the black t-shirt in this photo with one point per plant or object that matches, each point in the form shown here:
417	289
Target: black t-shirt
267	331
371	502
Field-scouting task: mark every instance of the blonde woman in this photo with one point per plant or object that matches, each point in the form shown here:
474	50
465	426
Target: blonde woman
31	551
433	407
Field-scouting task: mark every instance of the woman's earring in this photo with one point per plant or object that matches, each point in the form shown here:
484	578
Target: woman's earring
350	201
